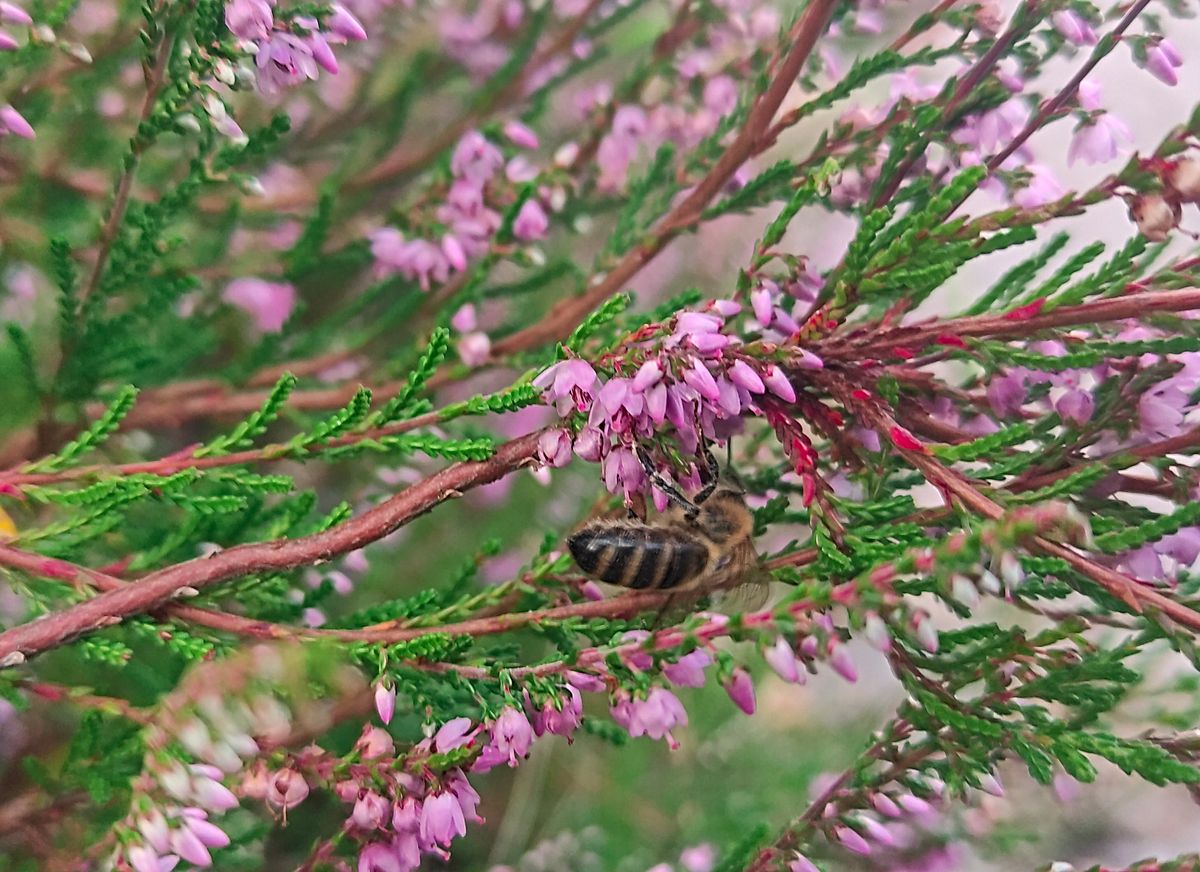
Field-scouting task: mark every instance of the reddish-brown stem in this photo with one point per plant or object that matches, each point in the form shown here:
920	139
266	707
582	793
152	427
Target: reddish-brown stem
160	588
1058	101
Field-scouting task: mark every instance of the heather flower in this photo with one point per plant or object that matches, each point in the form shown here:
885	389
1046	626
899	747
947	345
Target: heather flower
698	858
284	60
783	660
623	471
839	659
381	857
569	383
688	670
249	19
342	23
531	222
741	690
12	121
286	789
1040	189
453	734
474	349
1073	27
655	716
385	701
269	304
512	735
1162	60
1100	140
145	859
375	743
1155	216
520	135
561	716
11	13
442	819
554	447
370	811
475	158
195	835
800	863
851	840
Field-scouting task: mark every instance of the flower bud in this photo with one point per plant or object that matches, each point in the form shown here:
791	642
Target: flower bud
741	690
1155	216
1183	178
385	701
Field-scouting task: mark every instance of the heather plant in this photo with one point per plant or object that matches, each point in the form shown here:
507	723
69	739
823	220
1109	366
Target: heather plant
327	324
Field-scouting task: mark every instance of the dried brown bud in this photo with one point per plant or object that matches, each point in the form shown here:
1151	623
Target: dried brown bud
1155	216
1183	178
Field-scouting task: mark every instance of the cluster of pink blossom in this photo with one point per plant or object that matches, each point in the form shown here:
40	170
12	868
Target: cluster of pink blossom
469	223
12	121
288	52
704	93
481	40
689	373
269	304
220	734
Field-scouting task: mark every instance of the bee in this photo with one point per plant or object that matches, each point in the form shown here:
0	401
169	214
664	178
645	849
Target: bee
696	547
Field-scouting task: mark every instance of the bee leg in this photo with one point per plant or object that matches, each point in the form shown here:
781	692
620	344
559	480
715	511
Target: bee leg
690	509
713	476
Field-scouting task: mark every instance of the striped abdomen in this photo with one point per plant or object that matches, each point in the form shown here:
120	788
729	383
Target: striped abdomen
638	556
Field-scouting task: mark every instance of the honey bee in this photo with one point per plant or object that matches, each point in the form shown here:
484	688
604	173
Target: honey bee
696	547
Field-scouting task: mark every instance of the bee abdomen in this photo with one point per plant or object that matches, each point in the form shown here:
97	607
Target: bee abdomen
637	557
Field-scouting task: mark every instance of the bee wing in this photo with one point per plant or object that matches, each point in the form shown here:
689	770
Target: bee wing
748	596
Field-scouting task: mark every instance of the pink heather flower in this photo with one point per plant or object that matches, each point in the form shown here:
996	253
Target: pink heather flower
800	863
192	840
442	819
207	791
839	659
385	701
11	13
688	670
777	382
989	783
143	858
590	444
155	831
475	158
249	19
531	222
741	690
1162	59
453	734
764	306
370	811
1089	95
286	789
520	135
1073	28
702	381
283	60
885	805
744	376
851	840
1042	188
560	717
876	632
568	383
698	858
783	660
7	43
655	716
381	857
585	682
927	634
455	254
805	359
269	304
554	447
375	743
1100	140
914	805
12	121
474	349
464	319
876	831
342	22
1075	405
512	734
623	471
468	798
